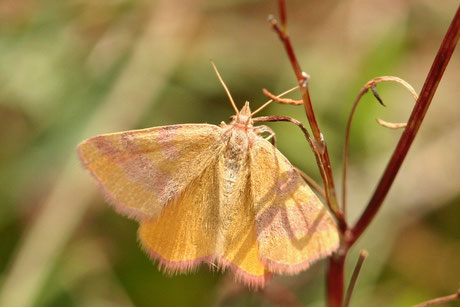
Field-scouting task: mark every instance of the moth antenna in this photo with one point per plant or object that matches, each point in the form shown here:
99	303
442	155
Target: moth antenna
271	100
225	87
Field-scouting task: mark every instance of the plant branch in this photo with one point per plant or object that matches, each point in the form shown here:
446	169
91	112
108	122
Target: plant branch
302	78
440	300
362	256
390	125
291	120
429	88
369	85
335	276
283	18
281	100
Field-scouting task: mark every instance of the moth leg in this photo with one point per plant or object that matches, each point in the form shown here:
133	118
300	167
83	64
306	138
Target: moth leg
271	134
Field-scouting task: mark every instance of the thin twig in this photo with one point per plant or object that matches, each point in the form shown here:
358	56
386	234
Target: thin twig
271	100
282	100
421	107
390	125
369	85
283	18
362	256
440	300
291	120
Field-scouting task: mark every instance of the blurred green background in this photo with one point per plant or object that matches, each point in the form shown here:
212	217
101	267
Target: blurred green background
73	69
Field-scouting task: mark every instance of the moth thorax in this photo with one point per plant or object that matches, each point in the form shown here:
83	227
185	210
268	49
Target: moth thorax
235	165
238	143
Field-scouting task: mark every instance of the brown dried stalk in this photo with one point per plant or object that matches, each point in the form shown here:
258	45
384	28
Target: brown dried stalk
281	100
440	300
390	125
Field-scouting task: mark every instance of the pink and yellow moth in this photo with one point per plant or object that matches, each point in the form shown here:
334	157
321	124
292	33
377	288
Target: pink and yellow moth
221	194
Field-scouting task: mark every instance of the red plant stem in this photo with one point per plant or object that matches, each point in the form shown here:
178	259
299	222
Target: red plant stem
302	79
418	113
282	9
335	277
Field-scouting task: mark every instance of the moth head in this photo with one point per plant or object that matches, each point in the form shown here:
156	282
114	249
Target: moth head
244	116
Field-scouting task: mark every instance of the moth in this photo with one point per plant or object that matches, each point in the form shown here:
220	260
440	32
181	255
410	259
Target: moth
222	195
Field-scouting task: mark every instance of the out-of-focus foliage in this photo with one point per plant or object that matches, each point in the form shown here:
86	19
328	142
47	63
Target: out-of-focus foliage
77	68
